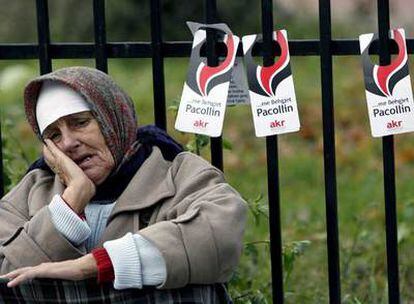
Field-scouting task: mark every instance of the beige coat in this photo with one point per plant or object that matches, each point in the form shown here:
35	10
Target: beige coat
197	222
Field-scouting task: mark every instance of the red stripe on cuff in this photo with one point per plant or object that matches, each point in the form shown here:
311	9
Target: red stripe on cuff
104	263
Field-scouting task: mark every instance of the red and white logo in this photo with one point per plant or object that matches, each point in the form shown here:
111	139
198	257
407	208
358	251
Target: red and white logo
203	78
265	80
381	80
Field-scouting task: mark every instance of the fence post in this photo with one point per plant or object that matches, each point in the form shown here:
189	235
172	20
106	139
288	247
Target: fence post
210	13
158	65
101	59
331	204
273	187
389	168
43	36
1	166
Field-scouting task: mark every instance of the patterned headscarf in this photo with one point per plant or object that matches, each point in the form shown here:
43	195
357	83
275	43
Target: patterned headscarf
110	105
129	144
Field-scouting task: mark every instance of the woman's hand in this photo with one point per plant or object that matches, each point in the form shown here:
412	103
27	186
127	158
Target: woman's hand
74	270
79	188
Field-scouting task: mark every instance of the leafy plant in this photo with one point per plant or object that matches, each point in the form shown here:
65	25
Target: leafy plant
15	159
291	252
249	284
258	209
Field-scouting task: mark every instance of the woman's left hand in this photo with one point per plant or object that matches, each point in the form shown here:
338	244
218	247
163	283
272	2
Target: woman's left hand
75	270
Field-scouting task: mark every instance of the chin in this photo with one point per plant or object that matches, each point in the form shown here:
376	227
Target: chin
95	177
96	180
97	174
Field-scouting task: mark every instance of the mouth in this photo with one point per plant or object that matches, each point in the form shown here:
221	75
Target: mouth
84	160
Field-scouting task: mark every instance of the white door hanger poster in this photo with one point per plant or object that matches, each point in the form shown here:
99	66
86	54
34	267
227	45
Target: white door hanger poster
203	101
388	89
272	93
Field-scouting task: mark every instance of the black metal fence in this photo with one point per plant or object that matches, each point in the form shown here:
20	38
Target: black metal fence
325	47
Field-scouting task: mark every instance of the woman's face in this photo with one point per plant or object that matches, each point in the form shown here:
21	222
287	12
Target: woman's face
79	137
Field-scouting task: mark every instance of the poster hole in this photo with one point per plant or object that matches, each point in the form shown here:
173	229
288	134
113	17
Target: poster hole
258	52
220	50
373	50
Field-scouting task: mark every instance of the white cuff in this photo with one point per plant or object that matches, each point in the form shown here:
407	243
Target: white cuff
68	222
154	270
126	262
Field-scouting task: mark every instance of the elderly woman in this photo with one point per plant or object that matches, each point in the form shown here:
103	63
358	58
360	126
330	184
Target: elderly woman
111	200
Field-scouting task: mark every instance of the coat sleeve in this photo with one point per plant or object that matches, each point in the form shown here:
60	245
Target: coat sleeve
201	237
29	240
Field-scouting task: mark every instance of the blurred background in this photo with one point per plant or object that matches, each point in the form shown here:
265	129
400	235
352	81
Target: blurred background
359	156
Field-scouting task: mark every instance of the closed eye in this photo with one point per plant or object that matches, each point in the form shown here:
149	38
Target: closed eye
80	123
53	136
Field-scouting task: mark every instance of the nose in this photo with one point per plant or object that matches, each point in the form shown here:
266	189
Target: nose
69	141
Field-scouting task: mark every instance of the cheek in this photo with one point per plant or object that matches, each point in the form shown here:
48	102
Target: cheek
105	160
104	154
104	163
109	160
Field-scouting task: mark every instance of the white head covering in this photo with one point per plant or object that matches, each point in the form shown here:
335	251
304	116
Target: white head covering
55	101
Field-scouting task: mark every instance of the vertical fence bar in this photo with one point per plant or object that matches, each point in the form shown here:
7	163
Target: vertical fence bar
44	61
1	166
389	169
331	204
101	58
158	65
273	170
210	16
43	35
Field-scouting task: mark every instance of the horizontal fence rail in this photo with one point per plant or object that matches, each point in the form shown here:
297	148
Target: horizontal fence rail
325	47
173	49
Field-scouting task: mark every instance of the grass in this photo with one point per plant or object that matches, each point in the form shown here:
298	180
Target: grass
359	179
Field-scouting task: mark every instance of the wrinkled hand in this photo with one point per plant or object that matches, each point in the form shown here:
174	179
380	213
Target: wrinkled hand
74	270
79	188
